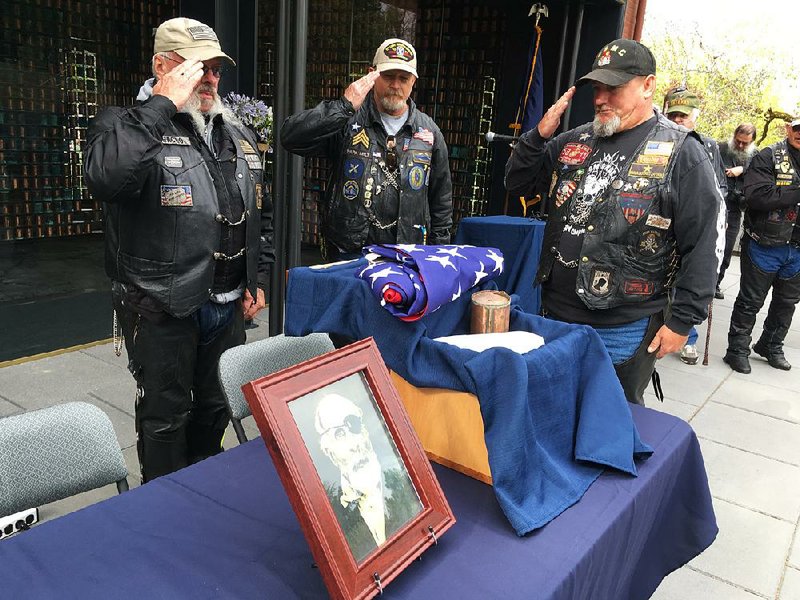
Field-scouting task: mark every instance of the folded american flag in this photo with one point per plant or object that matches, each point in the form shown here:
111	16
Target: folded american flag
412	280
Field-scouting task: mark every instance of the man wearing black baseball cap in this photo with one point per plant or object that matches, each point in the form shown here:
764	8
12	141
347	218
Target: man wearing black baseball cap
627	248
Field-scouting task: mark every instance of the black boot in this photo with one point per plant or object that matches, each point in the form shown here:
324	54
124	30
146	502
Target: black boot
775	356
740	364
753	289
785	295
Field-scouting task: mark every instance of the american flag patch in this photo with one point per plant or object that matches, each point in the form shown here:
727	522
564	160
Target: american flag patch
426	135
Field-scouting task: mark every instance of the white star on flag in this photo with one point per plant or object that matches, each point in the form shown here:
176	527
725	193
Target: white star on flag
480	275
408	248
457	295
498	260
442	260
383	273
452	251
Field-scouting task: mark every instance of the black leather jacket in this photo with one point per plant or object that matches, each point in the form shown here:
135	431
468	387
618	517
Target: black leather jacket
632	266
360	202
772	190
735	196
164	227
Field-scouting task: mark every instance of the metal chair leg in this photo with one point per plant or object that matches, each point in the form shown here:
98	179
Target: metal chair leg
237	427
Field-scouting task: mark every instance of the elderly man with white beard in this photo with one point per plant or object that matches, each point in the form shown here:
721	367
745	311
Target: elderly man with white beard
188	235
627	247
346	442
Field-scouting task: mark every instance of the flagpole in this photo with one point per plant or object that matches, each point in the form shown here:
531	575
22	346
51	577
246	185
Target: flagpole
537	9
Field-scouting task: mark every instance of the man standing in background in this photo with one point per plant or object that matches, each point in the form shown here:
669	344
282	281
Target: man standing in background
683	108
736	155
770	256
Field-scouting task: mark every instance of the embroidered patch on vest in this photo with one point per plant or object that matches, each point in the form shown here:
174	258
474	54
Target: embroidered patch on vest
350	189
423	158
634	205
175	140
601	282
253	161
361	138
650	242
638	287
353	168
416	177
565	191
259	195
176	195
574	153
662	148
173	161
247	148
658	221
638	169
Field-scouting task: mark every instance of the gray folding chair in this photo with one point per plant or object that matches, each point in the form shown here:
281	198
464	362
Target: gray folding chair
241	364
57	452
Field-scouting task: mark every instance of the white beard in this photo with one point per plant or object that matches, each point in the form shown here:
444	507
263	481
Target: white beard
200	119
742	155
606	129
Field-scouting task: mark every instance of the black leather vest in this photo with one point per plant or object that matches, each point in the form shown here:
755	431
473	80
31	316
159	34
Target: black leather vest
167	242
366	195
775	227
628	252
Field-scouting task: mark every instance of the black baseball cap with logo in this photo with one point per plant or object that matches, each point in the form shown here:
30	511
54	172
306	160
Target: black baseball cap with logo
620	61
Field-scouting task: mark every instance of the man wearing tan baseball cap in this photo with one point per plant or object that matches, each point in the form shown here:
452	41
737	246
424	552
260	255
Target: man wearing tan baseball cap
384	149
188	241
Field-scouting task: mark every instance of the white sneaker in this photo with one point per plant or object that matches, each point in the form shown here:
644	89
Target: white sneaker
689	354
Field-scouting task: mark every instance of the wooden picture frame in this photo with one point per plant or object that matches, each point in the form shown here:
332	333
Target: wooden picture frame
355	472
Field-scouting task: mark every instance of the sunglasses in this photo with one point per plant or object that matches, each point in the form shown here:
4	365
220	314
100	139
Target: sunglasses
351	424
215	71
796	128
391	155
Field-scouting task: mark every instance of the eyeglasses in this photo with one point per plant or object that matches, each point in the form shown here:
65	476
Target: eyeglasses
391	154
215	71
796	128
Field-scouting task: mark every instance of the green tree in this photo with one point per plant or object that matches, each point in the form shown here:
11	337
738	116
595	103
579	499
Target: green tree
731	90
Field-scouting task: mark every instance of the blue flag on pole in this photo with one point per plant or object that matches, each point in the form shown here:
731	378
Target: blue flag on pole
532	99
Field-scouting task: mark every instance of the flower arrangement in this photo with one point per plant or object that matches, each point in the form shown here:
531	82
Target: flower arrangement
252	113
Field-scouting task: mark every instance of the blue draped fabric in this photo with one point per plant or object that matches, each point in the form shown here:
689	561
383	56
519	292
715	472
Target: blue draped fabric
520	241
554	418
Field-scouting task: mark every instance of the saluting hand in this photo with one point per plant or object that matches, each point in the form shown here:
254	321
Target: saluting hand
179	83
552	118
358	90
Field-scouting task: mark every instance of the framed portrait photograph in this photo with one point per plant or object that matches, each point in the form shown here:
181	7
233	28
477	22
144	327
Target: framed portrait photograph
355	472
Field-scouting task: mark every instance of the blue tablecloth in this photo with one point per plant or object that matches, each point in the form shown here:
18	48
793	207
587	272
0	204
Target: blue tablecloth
223	528
554	418
520	241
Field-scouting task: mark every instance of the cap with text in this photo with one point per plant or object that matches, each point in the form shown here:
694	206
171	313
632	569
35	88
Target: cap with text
190	39
397	54
620	61
681	101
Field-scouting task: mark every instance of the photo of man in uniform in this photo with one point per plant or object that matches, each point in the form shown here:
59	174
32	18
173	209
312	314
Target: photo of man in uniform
346	442
360	468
